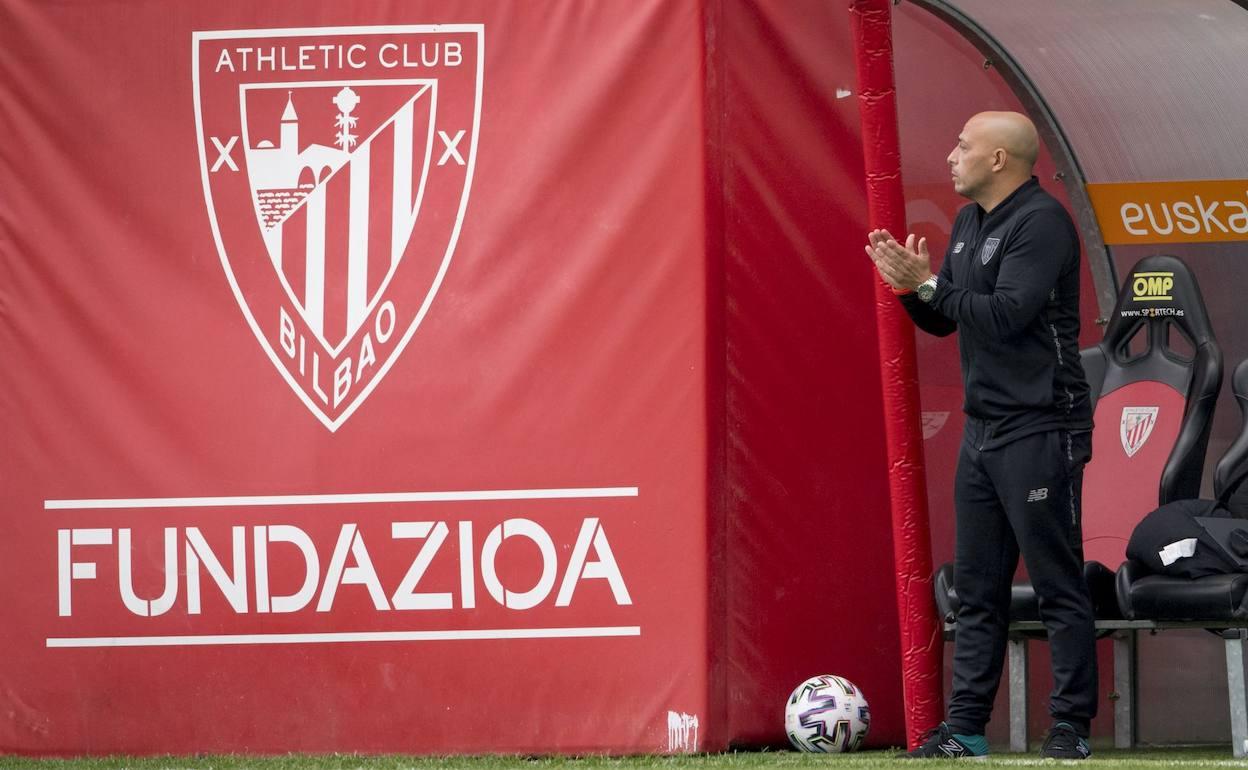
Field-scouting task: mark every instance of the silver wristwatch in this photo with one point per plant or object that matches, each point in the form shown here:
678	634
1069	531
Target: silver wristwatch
927	289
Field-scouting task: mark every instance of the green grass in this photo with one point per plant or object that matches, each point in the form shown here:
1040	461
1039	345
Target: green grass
1146	758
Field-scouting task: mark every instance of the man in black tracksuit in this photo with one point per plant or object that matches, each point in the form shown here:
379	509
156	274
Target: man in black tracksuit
1009	285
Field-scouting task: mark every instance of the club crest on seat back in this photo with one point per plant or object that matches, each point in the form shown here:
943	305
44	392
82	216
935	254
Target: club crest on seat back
1136	426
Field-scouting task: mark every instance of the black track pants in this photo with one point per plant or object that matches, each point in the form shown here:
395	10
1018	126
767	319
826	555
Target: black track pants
1024	496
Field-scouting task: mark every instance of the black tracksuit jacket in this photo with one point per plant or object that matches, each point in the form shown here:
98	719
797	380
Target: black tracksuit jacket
1009	285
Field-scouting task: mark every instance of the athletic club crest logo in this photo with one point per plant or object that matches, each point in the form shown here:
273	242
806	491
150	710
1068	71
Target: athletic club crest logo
1136	426
933	422
989	248
336	165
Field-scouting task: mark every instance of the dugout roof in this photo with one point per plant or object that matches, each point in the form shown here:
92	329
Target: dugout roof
1134	90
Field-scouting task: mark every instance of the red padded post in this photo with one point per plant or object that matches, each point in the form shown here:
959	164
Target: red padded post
920	632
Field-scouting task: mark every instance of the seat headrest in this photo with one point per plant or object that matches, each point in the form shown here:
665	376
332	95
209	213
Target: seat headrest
1159	290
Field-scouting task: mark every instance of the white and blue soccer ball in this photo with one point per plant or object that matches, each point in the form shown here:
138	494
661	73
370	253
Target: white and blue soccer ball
827	714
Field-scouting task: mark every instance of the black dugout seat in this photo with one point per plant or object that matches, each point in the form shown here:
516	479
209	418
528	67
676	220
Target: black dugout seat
1144	596
1154	382
1230	475
1155	378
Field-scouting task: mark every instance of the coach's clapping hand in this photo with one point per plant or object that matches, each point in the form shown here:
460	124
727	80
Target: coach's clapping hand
901	267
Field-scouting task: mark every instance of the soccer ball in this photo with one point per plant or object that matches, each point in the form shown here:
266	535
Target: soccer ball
827	714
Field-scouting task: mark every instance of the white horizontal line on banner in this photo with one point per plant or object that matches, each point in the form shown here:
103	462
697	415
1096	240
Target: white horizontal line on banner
346	636
379	497
218	34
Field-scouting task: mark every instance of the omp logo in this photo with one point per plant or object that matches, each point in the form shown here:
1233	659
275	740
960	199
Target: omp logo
336	166
1171	212
1136	426
1152	287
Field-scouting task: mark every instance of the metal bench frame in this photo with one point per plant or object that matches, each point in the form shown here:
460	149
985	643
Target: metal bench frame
1123	633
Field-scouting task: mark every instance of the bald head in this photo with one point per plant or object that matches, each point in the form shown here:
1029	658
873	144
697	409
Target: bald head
1012	132
995	154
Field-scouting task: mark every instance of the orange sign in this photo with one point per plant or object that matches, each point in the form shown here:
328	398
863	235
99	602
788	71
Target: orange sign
1171	212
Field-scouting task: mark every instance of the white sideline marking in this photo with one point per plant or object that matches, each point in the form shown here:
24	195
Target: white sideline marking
340	499
347	636
1111	761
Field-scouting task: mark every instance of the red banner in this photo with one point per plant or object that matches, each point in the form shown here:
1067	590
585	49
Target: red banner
360	381
403	380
